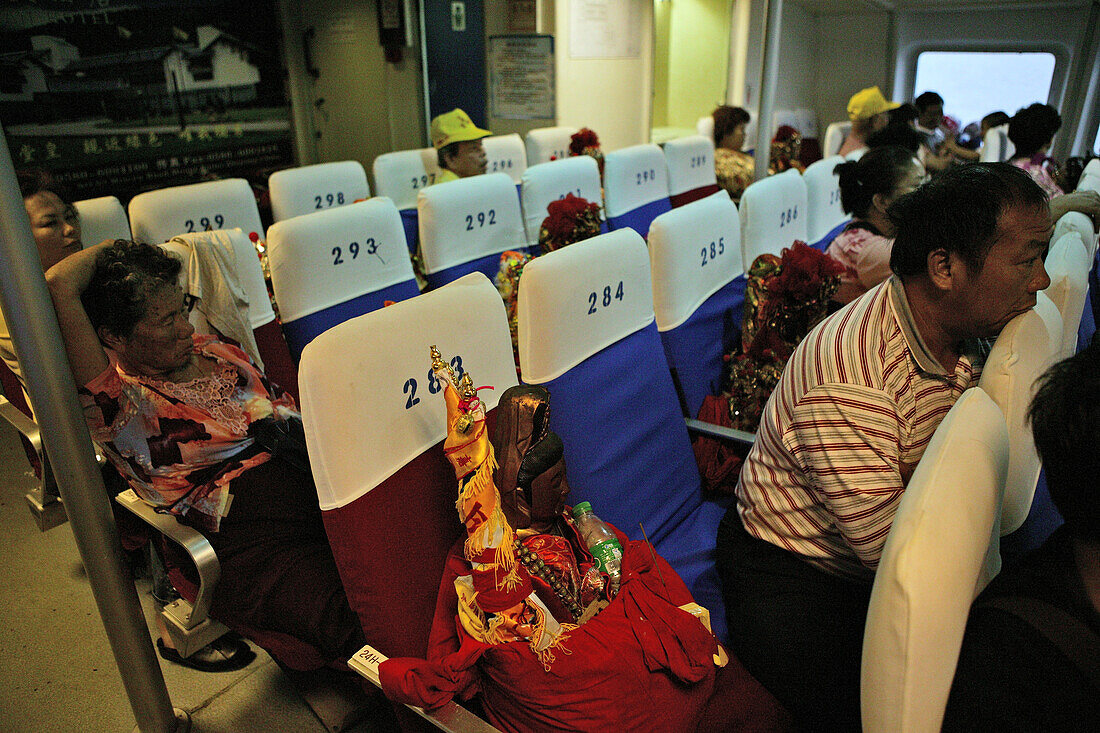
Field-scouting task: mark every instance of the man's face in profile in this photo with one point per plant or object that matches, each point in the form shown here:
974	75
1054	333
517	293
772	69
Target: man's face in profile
1011	274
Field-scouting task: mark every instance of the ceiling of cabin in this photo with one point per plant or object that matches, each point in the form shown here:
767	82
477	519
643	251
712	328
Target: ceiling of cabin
859	6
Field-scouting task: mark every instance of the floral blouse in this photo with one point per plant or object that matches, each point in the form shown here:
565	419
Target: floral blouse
865	254
1038	171
180	444
734	171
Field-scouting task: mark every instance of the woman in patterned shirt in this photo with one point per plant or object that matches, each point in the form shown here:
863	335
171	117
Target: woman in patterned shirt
733	168
199	432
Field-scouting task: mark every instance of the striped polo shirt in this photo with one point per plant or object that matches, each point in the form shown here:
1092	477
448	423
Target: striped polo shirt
860	396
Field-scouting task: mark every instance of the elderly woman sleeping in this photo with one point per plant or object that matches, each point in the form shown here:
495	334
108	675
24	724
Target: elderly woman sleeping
200	432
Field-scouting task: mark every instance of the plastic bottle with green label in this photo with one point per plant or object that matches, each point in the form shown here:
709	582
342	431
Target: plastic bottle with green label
602	543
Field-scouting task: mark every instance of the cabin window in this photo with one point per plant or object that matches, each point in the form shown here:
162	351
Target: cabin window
975	83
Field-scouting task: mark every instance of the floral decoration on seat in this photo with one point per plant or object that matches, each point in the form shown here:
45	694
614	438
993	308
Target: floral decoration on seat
784	299
786	148
586	142
569	220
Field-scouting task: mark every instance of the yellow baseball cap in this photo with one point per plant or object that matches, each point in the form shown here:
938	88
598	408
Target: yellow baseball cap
868	103
455	127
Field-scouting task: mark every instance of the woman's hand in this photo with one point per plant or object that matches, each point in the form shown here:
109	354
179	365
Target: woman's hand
1085	202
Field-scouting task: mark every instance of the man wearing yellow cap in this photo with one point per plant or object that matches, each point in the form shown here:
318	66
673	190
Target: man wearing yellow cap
457	141
867	110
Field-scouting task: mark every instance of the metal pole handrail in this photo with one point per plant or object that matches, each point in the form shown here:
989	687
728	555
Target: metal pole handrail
49	382
769	82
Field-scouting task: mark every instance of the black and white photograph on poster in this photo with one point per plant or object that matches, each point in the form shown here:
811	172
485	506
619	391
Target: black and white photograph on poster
115	98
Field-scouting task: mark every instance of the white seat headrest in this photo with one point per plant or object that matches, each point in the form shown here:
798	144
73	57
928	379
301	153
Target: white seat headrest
505	154
310	188
773	215
400	176
548	143
823	209
577	300
353	250
1029	344
467	219
157	216
370	403
939	554
102	218
547	182
634	177
694	251
690	162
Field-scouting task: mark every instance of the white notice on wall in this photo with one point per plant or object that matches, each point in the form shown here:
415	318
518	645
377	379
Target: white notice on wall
605	29
521	77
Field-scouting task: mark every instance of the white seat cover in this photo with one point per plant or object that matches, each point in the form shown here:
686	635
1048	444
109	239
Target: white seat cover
1092	168
505	154
804	120
297	191
467	219
933	565
1089	182
634	177
548	182
834	137
773	215
694	251
400	176
351	250
1068	264
705	127
1075	221
548	143
608	297
369	401
250	275
690	162
823	209
157	216
102	218
1029	344
996	147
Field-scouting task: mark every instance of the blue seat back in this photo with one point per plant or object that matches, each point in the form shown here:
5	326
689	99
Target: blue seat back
587	333
698	292
635	187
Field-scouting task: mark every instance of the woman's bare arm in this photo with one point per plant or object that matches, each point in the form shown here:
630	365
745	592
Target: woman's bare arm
67	281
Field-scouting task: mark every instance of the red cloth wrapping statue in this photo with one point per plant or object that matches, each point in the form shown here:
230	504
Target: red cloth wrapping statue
511	590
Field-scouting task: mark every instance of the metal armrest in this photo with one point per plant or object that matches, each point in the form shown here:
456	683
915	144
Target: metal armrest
44	500
189	625
717	431
450	717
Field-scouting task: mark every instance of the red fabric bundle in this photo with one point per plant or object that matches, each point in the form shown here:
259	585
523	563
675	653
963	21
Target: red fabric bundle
641	664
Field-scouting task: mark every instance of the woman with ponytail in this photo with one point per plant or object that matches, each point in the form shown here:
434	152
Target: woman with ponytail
867	187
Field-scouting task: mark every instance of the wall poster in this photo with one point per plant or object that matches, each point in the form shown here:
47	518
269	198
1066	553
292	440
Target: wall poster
521	77
605	29
117	97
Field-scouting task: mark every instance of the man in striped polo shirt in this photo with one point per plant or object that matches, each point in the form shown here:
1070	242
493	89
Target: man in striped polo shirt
848	422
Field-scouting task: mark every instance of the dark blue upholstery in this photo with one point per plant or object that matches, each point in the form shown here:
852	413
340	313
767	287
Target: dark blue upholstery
823	243
301	331
627	451
410	222
695	349
640	218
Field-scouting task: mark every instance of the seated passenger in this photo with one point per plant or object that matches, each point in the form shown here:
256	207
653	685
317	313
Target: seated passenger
899	131
457	141
974	153
1030	659
55	225
935	153
850	419
1032	130
785	149
867	110
867	188
200	433
733	168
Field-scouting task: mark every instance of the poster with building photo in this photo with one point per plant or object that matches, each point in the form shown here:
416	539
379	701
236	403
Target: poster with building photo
116	97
